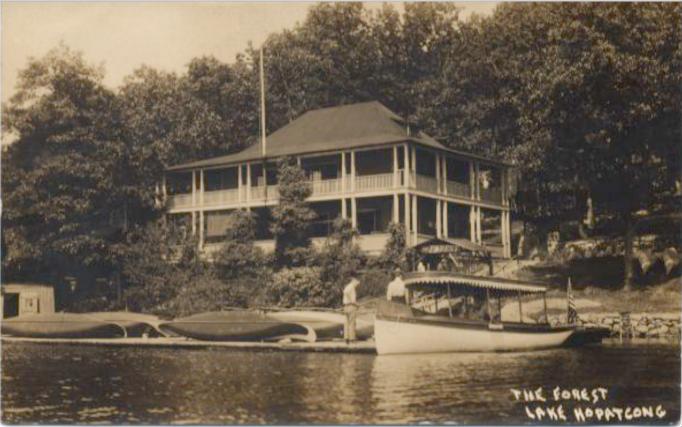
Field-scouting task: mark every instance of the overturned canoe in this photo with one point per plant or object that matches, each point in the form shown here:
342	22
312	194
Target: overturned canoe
237	326
135	324
60	325
325	324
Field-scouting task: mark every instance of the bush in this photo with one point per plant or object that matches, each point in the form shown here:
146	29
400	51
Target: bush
302	287
210	294
374	282
394	254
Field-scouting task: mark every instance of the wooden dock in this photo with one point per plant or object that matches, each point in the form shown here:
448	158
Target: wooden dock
337	346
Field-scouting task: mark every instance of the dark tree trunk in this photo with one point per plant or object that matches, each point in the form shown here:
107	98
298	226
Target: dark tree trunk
628	256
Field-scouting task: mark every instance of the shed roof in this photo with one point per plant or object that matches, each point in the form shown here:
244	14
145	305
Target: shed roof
363	124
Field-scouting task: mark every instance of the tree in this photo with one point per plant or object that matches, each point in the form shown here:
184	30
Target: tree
340	257
394	254
62	202
238	258
608	106
292	216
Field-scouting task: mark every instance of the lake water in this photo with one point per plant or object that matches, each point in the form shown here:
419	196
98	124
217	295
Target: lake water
73	384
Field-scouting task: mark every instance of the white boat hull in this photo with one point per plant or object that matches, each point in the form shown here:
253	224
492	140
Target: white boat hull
397	337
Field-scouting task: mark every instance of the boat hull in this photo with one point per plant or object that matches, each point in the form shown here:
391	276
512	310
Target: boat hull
236	326
587	336
398	336
60	326
135	324
326	325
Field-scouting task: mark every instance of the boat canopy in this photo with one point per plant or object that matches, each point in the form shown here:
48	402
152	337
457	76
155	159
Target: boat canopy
413	280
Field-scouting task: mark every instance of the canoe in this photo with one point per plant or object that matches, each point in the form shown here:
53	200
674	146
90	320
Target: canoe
237	326
60	325
135	324
325	324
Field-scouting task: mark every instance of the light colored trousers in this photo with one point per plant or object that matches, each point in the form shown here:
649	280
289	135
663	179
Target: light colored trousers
351	311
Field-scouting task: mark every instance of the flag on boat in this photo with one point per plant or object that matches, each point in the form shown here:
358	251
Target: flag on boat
572	313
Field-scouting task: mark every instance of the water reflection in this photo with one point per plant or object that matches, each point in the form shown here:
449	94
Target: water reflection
60	384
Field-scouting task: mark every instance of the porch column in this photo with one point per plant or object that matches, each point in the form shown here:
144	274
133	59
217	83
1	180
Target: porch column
479	235
407	219
507	227
439	218
445	174
406	166
445	219
396	208
201	187
240	183
395	167
248	182
472	224
344	209
352	172
343	174
415	220
201	229
354	212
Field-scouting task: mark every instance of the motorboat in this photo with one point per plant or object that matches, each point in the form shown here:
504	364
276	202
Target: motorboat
134	324
238	325
327	325
453	312
60	325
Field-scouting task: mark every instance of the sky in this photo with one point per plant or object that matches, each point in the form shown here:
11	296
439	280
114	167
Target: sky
122	36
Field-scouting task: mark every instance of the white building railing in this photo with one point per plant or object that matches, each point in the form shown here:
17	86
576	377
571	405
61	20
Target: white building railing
491	195
381	181
427	183
326	186
458	189
362	184
219	197
180	200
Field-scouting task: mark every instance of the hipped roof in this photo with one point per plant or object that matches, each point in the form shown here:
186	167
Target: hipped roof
364	124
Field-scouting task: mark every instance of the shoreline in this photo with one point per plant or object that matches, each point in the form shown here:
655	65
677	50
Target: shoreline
358	347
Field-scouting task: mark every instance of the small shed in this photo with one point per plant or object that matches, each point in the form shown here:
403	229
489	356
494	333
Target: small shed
17	299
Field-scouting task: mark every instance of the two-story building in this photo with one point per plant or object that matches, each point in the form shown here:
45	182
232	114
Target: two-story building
365	163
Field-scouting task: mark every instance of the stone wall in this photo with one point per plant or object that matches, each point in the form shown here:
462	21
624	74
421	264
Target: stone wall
641	325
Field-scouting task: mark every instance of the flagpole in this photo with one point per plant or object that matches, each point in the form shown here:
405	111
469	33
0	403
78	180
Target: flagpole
262	106
263	142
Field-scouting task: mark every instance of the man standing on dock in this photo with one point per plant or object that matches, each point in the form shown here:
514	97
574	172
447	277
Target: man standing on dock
350	307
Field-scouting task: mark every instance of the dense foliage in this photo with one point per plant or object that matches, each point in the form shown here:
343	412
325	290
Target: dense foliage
584	97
